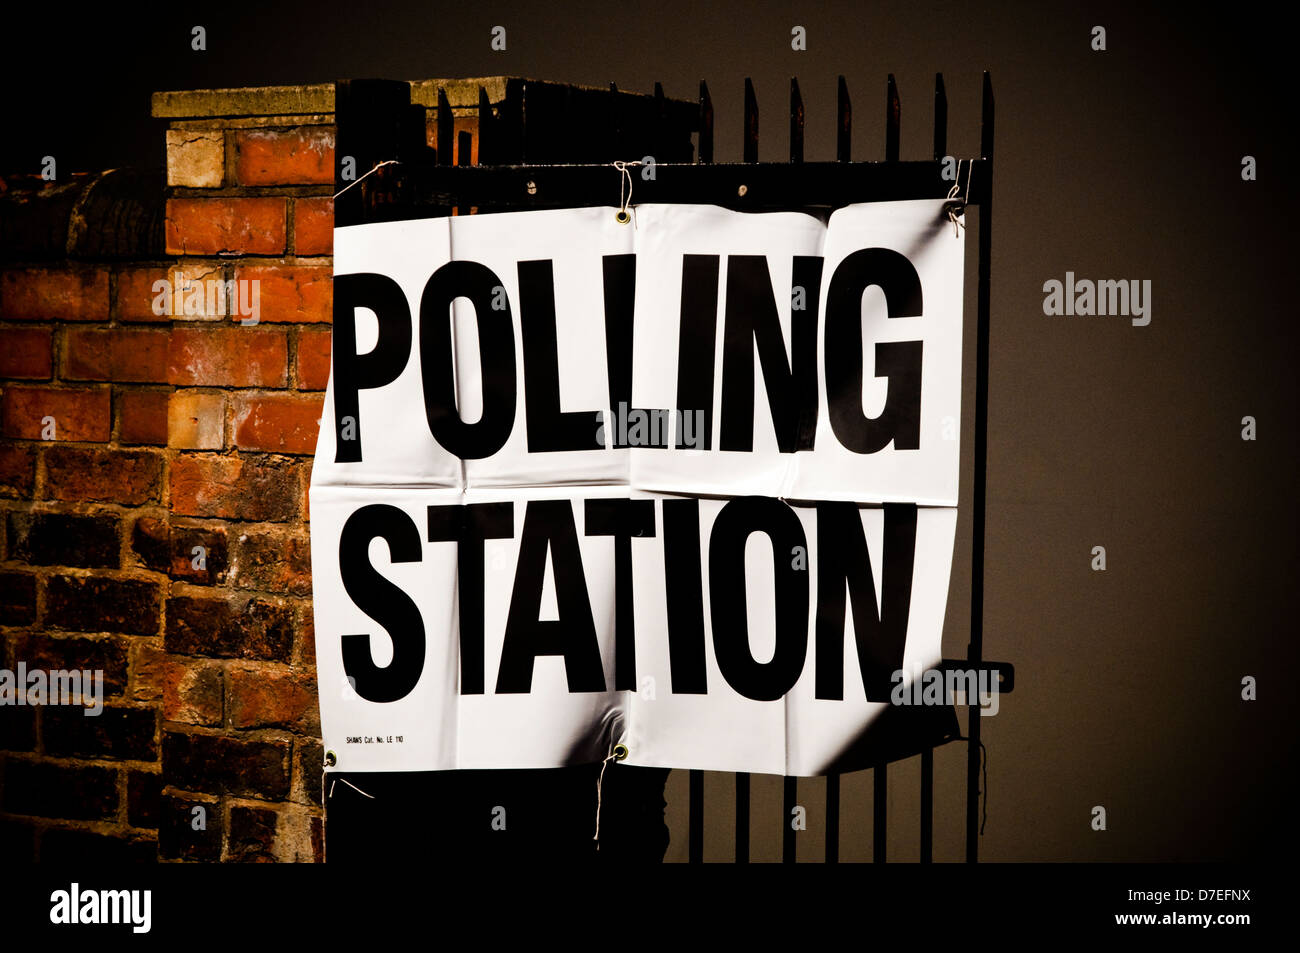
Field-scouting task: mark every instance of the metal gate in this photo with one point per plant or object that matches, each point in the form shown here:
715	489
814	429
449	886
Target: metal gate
521	155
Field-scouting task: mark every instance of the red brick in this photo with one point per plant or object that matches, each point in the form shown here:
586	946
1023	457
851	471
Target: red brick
228	357
66	293
253	226
191	692
78	414
142	417
313	226
268	696
281	424
148	670
273	561
302	156
196	420
135	355
313	359
25	352
129	477
230	487
292	292
136	294
306	491
17	470
221	765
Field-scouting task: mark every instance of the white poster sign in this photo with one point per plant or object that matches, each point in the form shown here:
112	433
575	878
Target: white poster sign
687	485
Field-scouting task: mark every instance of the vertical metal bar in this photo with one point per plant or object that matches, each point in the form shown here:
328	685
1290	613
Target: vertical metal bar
523	123
843	123
892	117
486	134
927	805
751	123
705	155
742	817
695	818
464	149
975	652
796	122
706	124
832	818
791	799
445	126
879	817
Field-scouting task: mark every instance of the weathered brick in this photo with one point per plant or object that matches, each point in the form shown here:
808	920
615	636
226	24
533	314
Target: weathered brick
291	293
196	420
300	156
218	765
196	159
262	696
274	561
17	598
192	692
313	226
209	226
281	423
26	353
116	732
252	835
309	763
143	789
228	357
148	661
306	637
137	355
42	789
232	487
17	727
142	416
59	293
185	833
163	547
101	605
299	838
40	650
249	628
129	477
79	414
69	846
153	294
313	368
17	471
65	539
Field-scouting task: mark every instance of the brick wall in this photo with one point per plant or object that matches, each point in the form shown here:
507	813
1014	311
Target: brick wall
158	530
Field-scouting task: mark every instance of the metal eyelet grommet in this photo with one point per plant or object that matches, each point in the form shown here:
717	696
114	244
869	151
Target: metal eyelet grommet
622	217
956	207
331	759
620	752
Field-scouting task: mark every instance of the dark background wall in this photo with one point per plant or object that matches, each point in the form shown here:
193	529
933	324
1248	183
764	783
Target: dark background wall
1117	164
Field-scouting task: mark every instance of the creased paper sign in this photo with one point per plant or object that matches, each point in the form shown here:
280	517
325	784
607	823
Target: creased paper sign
687	485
